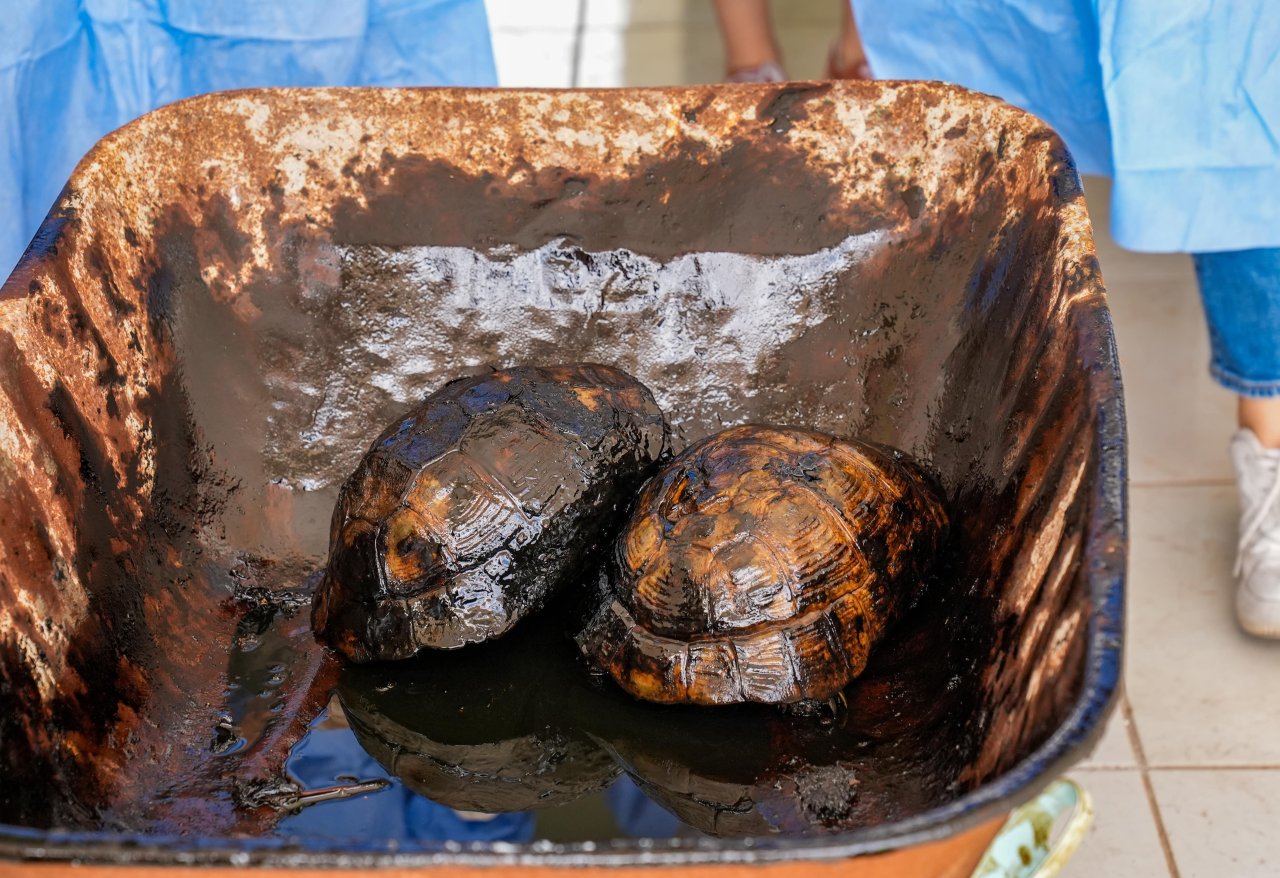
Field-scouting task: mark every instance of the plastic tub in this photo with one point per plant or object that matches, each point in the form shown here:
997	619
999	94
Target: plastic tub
234	292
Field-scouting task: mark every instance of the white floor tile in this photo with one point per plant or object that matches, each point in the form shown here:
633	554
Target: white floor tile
658	55
1202	692
632	13
1179	420
539	15
1123	841
534	58
1222	824
1114	750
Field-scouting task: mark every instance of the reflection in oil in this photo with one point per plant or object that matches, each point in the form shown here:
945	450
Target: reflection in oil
491	728
329	755
517	740
260	655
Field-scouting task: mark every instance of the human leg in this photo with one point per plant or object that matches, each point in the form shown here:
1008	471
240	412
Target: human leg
1261	414
847	59
1241	295
750	47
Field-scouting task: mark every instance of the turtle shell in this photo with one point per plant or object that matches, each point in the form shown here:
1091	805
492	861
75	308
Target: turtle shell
471	509
895	744
761	565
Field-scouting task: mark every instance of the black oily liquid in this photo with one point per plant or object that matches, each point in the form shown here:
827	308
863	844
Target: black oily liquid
331	754
520	741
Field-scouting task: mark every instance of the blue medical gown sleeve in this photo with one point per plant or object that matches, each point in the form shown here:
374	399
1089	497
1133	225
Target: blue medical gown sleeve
73	70
1178	99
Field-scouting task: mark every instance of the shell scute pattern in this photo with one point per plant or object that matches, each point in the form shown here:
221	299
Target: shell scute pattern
470	510
762	564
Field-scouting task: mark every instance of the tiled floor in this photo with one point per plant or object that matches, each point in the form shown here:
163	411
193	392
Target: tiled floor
1186	781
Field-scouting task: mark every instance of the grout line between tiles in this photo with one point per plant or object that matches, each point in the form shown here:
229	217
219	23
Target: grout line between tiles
1182	483
533	32
1174	766
579	32
1205	766
1136	743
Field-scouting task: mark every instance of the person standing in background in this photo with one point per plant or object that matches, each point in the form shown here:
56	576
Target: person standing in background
1180	103
751	47
73	70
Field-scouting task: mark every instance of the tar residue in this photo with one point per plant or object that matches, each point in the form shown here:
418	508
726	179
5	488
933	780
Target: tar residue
529	470
686	616
743	199
517	739
740	285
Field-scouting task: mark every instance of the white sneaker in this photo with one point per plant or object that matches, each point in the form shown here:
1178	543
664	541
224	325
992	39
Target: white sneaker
1258	554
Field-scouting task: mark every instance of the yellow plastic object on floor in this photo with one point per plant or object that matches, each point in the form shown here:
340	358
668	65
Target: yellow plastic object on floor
1040	837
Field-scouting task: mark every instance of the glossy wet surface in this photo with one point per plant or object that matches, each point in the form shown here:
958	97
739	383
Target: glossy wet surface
702	331
720	338
519	740
762	566
470	511
331	755
196	357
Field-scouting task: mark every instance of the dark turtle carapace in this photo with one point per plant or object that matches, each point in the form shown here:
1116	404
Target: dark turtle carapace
471	509
761	565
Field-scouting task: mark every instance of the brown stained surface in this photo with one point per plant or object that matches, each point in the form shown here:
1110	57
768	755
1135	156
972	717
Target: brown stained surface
763	564
235	291
473	508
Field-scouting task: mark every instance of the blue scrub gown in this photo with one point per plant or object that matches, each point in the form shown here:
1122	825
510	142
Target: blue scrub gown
73	70
1178	99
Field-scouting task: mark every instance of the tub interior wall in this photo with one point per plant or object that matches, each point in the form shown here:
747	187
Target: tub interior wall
188	371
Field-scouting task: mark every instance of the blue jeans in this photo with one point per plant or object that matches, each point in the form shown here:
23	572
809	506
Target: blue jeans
1240	290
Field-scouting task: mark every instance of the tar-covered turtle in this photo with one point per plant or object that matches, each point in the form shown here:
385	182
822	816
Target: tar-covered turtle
470	510
897	743
761	565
